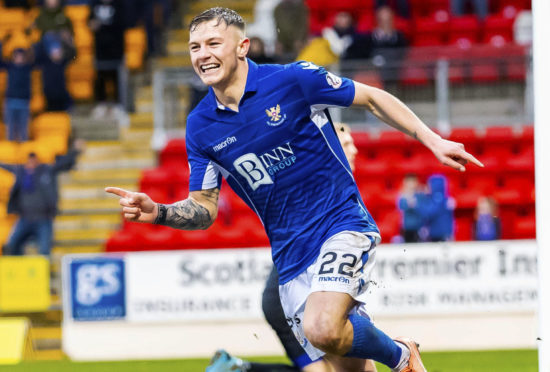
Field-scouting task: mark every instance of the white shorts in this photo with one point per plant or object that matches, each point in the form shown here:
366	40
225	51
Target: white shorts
345	263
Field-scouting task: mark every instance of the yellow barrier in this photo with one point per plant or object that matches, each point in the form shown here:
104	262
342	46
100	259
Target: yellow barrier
15	343
24	284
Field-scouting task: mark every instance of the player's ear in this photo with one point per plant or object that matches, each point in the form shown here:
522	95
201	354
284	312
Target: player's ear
242	47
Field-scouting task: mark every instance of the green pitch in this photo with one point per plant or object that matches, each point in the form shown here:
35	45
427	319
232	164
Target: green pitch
479	361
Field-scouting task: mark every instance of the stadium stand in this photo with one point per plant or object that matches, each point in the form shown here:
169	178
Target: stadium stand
508	176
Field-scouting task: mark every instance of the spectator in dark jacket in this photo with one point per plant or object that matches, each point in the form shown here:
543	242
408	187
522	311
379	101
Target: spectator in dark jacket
385	45
33	198
53	55
52	19
108	22
18	93
153	15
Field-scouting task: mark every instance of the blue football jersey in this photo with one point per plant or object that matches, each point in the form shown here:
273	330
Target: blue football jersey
281	155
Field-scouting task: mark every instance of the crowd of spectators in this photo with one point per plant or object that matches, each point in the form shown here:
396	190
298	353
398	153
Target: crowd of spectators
47	43
427	212
290	31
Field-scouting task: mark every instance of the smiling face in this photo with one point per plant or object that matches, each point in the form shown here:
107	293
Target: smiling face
217	52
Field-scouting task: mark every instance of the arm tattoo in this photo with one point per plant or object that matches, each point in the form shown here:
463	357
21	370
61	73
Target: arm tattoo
188	214
161	217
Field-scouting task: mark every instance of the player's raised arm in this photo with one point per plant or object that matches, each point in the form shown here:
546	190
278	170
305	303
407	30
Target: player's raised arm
197	212
396	114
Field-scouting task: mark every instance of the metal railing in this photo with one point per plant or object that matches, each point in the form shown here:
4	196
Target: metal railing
445	86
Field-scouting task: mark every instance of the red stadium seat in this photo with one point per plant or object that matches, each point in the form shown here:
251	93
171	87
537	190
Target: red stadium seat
160	239
155	179
415	76
463	229
198	239
422	163
362	141
417	67
174	154
438	5
464	135
227	237
491	164
254	231
159	195
484	183
352	6
316	23
403	25
465	28
498	29
525	227
458	57
457	183
527	135
500	142
515	67
365	22
124	241
469	137
370	192
524	162
392	138
419	8
369	168
155	176
390	225
516	189
467	199
429	31
520	4
499	134
485	63
485	72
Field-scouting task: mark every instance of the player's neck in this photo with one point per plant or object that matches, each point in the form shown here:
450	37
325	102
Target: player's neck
230	92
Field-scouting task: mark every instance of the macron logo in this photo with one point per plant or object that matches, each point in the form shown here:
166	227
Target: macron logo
228	141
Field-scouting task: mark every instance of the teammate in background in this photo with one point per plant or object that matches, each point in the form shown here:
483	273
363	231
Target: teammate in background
275	316
285	162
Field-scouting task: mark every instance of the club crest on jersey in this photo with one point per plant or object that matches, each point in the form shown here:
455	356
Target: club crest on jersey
275	117
333	80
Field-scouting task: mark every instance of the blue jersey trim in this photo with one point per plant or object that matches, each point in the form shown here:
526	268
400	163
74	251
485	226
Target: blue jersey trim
303	361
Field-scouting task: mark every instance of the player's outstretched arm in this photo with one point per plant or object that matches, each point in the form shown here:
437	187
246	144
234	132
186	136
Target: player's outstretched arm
395	113
197	212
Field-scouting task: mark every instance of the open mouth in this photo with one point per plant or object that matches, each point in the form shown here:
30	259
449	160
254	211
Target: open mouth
210	67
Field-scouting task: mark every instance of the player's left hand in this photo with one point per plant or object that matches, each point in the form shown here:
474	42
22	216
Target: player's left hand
453	154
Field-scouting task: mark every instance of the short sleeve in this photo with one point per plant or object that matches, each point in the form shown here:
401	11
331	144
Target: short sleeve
205	174
321	87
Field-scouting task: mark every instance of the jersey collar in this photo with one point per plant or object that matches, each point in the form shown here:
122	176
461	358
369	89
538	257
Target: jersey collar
251	86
